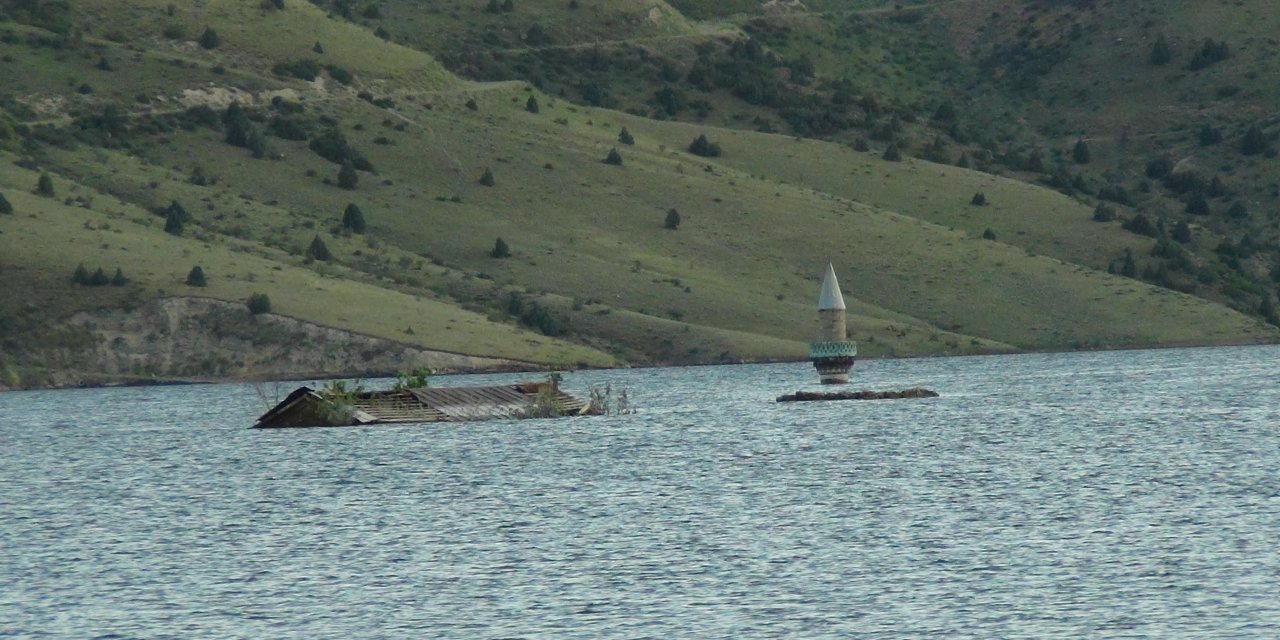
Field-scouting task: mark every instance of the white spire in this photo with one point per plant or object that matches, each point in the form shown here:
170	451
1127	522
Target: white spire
830	297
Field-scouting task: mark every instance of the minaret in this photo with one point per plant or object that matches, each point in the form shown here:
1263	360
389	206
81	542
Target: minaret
833	353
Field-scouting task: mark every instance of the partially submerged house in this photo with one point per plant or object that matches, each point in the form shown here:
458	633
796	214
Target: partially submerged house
307	407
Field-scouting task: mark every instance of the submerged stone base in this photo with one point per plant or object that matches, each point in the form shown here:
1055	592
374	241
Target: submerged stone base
810	396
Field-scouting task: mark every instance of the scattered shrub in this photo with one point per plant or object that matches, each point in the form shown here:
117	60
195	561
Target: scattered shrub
259	304
1161	54
209	39
1080	153
979	199
673	219
348	178
624	137
500	249
5	207
1104	213
892	154
195	277
486	178
531	105
988	234
44	186
701	146
614	158
353	219
318	251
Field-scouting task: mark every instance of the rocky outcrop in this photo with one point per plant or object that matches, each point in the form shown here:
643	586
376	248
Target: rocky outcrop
811	396
201	339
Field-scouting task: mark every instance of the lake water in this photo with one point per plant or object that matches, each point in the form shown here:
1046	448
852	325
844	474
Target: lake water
1123	494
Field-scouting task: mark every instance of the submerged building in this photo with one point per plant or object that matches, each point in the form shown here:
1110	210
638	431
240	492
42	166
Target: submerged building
832	353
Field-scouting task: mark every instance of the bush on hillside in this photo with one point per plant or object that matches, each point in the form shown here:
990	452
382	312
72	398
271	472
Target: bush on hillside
353	219
1161	54
486	178
303	69
979	199
318	251
614	158
1210	53
195	277
701	146
208	39
5	207
348	178
1080	153
44	186
673	219
892	154
624	137
500	249
259	304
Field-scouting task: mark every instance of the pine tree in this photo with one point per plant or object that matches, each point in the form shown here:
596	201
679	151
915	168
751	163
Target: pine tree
259	303
988	234
44	186
486	178
624	137
195	278
531	105
318	251
500	249
353	219
1181	232
99	278
614	158
5	207
118	280
1198	205
1081	152
1254	141
979	199
673	219
347	176
1238	211
81	275
174	219
1130	268
209	39
1160	52
892	154
701	146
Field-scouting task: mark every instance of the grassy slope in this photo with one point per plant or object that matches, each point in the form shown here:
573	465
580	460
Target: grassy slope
735	280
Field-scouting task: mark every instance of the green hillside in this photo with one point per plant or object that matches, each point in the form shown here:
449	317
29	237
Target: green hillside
243	152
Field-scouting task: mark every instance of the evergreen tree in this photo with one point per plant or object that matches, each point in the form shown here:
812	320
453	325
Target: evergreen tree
99	278
195	278
891	153
209	39
486	178
317	47
1267	309
1254	142
44	186
1238	211
118	280
5	207
174	222
259	303
1130	268
353	219
614	158
963	161
979	199
1161	54
673	219
1209	135
1181	232
1104	213
701	146
624	137
500	249
1198	205
1080	154
347	176
318	251
81	275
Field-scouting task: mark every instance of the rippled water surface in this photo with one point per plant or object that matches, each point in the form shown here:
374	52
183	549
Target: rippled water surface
1127	494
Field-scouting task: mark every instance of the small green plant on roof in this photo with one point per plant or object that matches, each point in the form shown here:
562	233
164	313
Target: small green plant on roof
341	400
614	158
5	207
547	403
701	146
500	249
259	304
625	137
419	378
673	219
195	278
486	178
44	186
531	105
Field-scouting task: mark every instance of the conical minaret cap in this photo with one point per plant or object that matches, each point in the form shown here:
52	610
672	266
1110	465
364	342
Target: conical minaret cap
830	297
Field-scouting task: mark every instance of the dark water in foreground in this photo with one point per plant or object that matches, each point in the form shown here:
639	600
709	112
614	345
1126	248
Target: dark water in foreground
1129	494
